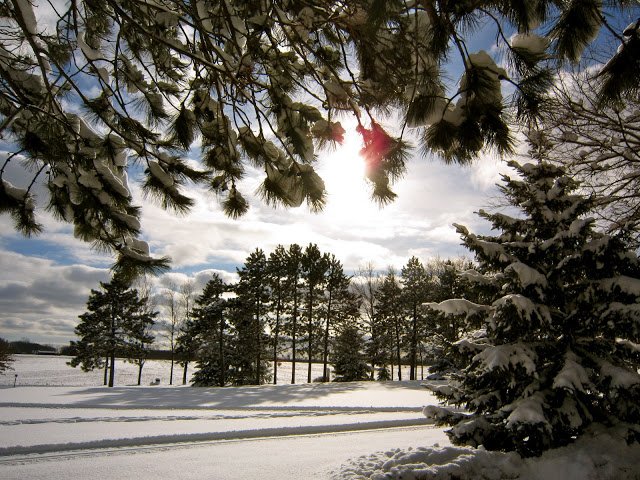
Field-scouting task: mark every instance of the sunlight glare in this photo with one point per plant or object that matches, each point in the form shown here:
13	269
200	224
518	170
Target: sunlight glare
343	172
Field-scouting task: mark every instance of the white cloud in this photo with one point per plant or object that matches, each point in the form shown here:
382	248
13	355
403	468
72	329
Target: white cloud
42	300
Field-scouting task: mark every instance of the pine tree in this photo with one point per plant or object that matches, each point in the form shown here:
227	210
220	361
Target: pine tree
186	346
448	329
558	349
5	356
140	336
208	335
391	319
253	294
349	362
416	286
152	78
314	269
116	323
183	349
341	305
249	355
294	301
277	271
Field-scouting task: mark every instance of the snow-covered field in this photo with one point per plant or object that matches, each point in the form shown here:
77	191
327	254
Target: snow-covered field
52	370
267	432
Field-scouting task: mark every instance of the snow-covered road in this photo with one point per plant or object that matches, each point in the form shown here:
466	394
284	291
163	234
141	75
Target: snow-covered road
271	458
284	431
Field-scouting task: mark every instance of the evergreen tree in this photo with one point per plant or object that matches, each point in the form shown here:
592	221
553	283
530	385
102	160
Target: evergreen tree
154	78
186	345
116	323
277	274
141	326
391	319
294	299
341	305
314	269
448	329
416	286
348	357
249	356
207	333
5	356
558	350
252	290
140	336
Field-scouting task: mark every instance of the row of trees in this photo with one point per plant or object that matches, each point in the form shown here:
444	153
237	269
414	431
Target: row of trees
294	303
298	303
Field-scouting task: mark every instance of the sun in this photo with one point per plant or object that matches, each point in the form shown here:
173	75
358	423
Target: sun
343	171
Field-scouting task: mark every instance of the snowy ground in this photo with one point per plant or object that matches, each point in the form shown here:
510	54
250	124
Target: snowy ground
52	370
269	432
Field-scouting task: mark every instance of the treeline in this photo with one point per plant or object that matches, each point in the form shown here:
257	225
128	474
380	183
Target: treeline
27	347
296	304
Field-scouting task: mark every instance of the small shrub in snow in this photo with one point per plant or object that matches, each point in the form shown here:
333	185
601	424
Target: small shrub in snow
559	350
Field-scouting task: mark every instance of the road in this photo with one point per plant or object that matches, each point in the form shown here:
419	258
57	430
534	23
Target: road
268	458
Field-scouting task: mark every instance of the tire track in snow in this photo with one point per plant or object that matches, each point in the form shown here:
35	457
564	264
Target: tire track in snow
250	414
18	454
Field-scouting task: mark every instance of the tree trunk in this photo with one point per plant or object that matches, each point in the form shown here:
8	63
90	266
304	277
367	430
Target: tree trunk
398	356
140	365
310	343
325	354
112	369
414	347
171	369
113	348
276	334
293	335
184	372
223	380
106	370
259	349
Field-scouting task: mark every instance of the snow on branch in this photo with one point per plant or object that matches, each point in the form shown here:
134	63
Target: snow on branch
457	306
527	275
524	305
620	378
528	410
572	376
475	277
622	283
504	357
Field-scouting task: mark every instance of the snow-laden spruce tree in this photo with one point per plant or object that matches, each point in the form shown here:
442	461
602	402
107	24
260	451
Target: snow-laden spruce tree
92	89
559	350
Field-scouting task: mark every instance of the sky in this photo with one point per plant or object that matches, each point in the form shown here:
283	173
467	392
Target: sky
45	281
